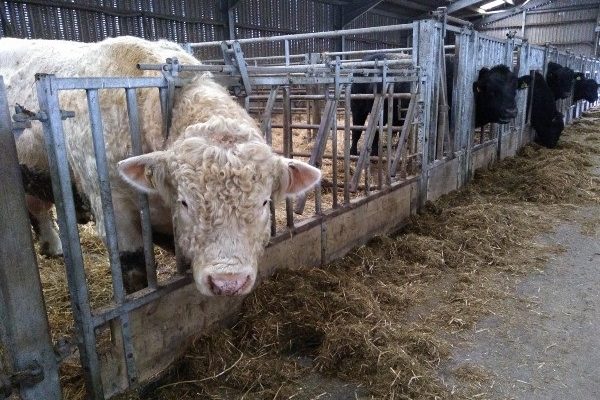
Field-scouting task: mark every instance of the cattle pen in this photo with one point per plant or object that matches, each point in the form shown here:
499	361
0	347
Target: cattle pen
298	99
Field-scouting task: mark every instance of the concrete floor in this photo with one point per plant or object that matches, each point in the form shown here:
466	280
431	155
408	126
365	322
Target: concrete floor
547	344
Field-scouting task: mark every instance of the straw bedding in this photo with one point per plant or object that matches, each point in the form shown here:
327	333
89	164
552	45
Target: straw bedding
380	321
377	323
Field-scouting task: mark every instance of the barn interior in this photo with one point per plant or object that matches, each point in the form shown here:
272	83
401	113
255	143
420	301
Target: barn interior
369	299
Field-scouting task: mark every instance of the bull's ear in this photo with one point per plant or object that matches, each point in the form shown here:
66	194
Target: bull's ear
296	177
146	173
483	73
524	82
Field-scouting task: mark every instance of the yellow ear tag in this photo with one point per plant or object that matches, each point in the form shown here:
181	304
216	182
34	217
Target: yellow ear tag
524	86
578	78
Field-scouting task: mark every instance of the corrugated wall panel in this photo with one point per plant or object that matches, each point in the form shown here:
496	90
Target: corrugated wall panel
377	40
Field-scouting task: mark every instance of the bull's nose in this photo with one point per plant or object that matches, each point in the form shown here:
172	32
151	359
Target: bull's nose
228	284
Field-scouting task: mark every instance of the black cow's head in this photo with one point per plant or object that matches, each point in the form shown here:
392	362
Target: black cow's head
560	79
495	95
585	89
550	137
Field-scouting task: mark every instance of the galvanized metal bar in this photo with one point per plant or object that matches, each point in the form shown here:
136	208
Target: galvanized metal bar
347	122
339	128
388	136
406	127
139	299
334	149
320	143
266	123
287	147
424	38
108	83
110	228
372	123
56	148
105	194
136	147
24	330
312	35
326	96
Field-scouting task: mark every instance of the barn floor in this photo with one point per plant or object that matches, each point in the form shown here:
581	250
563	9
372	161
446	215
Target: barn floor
545	343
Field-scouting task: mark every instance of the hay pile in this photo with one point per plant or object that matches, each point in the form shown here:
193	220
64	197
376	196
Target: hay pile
377	323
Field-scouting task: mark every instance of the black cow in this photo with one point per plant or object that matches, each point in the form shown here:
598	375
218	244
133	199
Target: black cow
362	107
585	89
495	98
560	80
545	118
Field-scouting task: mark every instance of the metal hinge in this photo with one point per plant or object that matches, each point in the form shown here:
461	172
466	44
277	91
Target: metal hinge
28	376
22	118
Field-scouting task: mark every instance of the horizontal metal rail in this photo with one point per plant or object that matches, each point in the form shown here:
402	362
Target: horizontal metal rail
108	83
312	35
322	96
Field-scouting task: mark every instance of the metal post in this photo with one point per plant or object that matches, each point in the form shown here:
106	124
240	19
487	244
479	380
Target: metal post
425	38
23	319
69	234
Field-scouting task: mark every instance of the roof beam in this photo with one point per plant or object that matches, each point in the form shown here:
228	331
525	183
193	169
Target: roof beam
509	13
357	8
460	4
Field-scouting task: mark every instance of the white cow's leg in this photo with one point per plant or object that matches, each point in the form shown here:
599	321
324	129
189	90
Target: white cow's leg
131	248
41	212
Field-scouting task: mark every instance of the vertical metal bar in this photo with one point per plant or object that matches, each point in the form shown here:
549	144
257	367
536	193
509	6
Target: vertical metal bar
65	209
110	228
136	145
334	149
267	114
347	122
424	42
287	146
24	323
390	121
380	147
105	194
181	265
287	51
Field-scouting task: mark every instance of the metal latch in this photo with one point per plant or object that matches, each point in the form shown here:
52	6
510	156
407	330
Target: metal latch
28	376
22	118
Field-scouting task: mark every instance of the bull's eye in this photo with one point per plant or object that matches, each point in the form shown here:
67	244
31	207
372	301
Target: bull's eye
266	202
184	204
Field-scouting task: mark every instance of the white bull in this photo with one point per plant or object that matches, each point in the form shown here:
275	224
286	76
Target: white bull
213	177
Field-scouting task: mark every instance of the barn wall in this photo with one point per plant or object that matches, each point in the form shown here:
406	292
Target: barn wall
190	21
566	24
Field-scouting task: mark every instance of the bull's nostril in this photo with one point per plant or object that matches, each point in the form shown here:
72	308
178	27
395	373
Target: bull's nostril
228	284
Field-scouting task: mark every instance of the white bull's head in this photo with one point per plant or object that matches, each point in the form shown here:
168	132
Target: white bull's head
218	179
